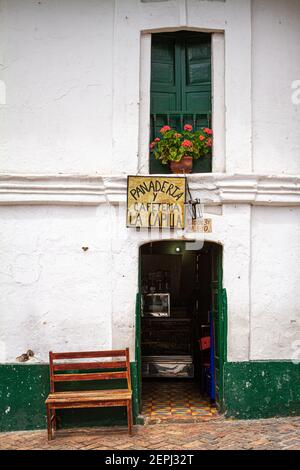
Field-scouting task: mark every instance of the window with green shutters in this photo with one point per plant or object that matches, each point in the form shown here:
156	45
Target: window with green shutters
180	87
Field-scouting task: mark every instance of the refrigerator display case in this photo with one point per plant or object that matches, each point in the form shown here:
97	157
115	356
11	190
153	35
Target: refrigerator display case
156	305
166	338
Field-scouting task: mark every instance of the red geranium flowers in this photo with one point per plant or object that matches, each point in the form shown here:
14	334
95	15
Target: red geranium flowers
165	129
187	143
174	145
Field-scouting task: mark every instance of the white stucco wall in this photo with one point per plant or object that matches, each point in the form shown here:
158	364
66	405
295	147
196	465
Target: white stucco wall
73	107
275	280
275	67
54	294
57	296
56	61
73	88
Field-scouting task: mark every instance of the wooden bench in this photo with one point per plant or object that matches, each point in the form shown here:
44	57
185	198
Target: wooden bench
117	368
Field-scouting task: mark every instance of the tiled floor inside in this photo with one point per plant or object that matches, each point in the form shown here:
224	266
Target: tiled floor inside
175	400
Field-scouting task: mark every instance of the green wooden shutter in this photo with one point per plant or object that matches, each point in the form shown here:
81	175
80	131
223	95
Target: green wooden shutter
180	84
164	86
196	82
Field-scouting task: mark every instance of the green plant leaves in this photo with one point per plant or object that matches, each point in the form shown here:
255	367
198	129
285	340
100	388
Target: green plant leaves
173	145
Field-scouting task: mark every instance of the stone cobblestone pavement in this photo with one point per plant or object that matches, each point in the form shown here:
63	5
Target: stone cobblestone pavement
273	434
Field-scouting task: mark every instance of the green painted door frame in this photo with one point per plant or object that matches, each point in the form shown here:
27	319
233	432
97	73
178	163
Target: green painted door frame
219	310
138	355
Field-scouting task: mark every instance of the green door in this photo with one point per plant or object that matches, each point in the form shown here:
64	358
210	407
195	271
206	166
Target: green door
219	311
180	86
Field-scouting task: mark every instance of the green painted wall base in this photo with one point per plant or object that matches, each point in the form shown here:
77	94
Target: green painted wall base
24	388
262	389
252	390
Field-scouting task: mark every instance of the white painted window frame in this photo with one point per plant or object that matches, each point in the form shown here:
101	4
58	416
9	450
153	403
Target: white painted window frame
218	102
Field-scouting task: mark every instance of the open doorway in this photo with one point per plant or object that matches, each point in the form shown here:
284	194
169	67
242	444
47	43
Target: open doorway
182	330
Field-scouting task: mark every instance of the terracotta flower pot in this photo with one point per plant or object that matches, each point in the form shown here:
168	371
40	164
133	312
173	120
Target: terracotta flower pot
185	165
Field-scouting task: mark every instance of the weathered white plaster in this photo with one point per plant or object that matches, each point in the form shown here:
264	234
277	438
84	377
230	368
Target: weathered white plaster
78	107
76	122
55	295
275	279
276	65
144	116
236	232
218	102
57	67
87	298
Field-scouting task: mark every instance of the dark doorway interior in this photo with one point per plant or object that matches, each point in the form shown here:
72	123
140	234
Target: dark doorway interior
177	330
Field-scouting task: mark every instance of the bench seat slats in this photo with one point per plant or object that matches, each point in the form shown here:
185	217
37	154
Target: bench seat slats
88	396
96	376
90	365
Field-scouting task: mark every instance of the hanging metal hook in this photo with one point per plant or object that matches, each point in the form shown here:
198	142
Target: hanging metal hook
195	204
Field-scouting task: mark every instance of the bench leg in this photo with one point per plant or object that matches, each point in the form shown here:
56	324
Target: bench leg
129	417
54	419
49	423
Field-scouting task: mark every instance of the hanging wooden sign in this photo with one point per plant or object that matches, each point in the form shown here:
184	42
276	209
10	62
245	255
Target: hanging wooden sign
156	201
